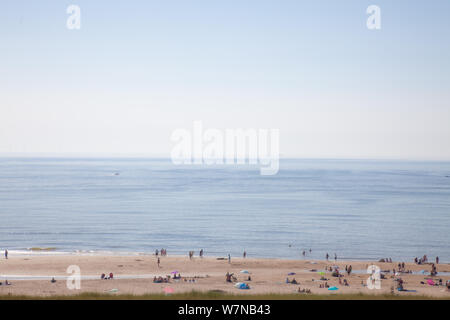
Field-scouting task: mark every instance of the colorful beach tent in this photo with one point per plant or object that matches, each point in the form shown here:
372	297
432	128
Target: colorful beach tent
244	271
241	285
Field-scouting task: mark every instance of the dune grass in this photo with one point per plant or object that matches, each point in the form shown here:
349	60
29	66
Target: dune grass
195	295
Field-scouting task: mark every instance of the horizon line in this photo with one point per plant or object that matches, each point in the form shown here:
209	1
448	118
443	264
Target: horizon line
93	155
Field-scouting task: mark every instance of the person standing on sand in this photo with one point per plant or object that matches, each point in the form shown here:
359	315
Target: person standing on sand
6	253
437	260
335	257
245	254
159	261
327	256
229	258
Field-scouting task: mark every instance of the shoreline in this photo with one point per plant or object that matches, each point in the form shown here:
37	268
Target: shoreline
133	275
109	253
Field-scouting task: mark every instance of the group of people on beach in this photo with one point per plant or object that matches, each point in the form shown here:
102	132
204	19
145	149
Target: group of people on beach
163	252
327	256
293	281
335	271
7	283
201	253
229	277
341	282
161	279
401	269
424	260
167	279
105	277
400	283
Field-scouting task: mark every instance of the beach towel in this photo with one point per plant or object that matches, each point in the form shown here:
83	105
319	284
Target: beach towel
168	290
430	282
333	288
404	290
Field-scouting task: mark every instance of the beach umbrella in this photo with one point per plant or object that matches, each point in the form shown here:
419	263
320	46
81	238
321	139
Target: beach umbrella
168	290
237	285
333	288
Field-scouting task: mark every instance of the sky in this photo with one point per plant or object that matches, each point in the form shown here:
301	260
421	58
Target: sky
138	70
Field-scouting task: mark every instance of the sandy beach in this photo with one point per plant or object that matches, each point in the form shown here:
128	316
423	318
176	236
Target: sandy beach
31	275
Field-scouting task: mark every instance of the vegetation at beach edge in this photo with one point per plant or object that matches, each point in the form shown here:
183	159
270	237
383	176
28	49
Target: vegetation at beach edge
214	295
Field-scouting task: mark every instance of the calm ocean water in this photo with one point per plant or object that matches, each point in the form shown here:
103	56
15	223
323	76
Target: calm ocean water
357	209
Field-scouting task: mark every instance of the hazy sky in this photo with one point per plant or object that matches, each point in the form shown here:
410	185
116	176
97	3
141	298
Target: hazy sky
138	70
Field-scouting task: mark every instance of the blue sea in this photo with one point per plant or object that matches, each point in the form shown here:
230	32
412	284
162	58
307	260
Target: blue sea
358	209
